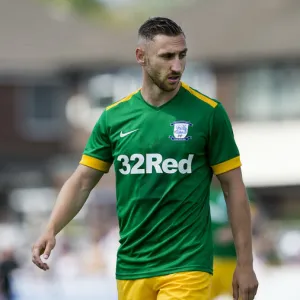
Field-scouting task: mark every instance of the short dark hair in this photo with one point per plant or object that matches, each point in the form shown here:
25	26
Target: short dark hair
159	25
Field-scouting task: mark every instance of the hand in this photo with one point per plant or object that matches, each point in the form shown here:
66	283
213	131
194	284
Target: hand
244	283
43	246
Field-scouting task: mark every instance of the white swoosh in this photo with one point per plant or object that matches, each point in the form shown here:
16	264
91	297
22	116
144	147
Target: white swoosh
127	133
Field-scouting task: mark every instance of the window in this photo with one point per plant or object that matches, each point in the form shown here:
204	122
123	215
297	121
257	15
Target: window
43	99
100	90
41	110
271	93
104	89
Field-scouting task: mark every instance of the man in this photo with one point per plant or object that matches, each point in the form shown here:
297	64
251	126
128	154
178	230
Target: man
8	265
165	141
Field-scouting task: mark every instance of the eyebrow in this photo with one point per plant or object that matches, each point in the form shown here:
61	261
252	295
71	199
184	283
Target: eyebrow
169	52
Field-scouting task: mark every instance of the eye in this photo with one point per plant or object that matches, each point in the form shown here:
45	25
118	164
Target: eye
168	56
182	55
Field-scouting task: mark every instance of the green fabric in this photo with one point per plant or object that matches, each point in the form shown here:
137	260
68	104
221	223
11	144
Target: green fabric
163	176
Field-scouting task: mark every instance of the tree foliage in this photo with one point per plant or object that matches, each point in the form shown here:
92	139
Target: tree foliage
88	8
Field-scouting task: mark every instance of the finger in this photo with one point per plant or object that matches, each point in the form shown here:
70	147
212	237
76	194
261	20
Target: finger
235	290
251	295
48	250
252	292
36	259
40	264
245	294
36	255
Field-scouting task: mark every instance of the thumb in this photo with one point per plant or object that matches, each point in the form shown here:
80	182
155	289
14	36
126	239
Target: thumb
48	250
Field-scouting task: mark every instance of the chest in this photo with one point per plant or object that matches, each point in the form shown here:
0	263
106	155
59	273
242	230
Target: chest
170	134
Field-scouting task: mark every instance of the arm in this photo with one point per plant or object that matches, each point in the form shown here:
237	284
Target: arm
239	214
70	200
96	160
72	197
225	162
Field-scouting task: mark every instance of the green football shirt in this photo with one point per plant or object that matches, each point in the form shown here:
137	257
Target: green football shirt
164	158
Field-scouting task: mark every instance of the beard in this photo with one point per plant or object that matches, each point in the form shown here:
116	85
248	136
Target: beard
156	78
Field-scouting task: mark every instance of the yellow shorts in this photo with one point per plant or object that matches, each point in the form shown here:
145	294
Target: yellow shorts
177	286
222	278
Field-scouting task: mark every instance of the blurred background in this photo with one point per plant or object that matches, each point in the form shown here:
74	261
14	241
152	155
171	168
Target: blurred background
62	62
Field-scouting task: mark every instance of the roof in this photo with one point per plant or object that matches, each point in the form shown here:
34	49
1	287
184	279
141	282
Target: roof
35	38
237	30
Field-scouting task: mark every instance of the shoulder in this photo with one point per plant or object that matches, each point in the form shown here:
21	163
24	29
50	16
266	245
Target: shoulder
122	102
202	99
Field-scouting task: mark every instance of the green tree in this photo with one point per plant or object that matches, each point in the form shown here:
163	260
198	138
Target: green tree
88	8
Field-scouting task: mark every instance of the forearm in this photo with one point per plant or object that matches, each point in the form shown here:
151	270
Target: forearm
240	219
70	200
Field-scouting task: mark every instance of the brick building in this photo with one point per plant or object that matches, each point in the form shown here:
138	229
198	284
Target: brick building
246	54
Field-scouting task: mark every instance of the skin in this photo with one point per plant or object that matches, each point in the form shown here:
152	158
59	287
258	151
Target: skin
70	200
161	58
244	282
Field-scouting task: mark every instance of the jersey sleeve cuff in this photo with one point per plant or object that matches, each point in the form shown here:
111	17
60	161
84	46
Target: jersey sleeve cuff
227	165
95	163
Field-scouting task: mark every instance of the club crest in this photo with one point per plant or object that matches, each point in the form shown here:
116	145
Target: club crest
180	131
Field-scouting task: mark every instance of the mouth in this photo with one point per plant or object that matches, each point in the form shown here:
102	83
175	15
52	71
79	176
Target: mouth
174	78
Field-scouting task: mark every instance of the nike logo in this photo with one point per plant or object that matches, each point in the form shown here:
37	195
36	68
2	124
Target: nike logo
127	133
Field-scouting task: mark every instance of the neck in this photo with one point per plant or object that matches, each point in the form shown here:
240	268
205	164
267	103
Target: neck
156	96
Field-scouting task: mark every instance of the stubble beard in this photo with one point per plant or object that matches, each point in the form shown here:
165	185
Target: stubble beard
154	76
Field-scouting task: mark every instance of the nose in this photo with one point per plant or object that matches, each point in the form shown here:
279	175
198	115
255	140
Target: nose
176	65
